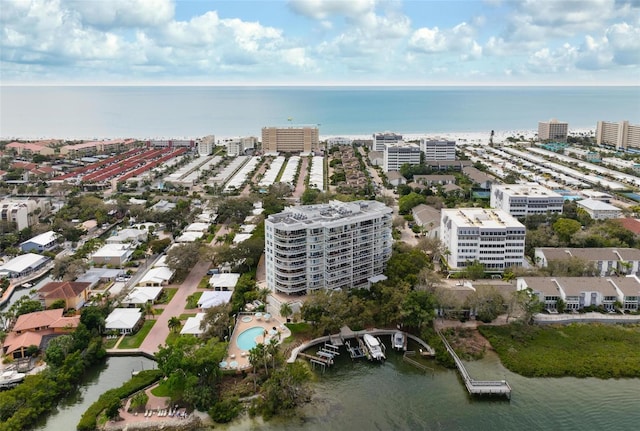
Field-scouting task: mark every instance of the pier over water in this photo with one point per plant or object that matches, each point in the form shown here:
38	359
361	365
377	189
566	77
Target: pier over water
477	387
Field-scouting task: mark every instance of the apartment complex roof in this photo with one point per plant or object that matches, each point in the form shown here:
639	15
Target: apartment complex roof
591	254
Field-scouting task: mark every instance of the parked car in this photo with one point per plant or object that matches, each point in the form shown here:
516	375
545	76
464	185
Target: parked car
213	271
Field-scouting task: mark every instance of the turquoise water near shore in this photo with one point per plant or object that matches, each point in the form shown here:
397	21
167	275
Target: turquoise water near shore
177	112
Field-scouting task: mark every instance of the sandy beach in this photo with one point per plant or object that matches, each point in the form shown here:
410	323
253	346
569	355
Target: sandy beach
463	138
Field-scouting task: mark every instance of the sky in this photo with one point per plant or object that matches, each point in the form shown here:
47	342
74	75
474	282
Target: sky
320	42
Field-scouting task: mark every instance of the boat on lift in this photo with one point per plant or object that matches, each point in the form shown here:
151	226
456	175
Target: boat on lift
374	346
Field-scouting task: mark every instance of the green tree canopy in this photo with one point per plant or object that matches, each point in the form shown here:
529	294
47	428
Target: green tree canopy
565	228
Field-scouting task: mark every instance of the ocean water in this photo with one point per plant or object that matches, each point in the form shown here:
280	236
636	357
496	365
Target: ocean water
178	112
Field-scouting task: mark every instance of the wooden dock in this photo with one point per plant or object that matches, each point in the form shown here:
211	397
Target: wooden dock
477	387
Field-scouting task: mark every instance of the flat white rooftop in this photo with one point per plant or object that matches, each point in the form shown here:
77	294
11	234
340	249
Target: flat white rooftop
481	218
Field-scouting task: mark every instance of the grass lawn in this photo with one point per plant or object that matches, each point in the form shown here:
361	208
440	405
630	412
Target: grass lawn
167	294
185	316
109	343
204	283
300	330
172	337
578	350
134	341
162	390
192	300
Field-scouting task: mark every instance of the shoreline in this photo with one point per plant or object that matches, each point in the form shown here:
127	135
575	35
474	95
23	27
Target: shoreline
459	137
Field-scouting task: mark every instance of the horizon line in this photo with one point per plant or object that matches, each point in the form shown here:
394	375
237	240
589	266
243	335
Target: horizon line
325	84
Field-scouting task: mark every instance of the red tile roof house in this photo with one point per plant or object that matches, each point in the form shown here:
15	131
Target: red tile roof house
35	329
74	293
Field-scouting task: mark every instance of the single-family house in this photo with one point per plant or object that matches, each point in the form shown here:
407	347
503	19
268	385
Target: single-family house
192	325
225	281
189	237
197	227
124	320
157	276
128	235
35	329
142	295
241	237
73	293
211	299
44	242
22	265
113	254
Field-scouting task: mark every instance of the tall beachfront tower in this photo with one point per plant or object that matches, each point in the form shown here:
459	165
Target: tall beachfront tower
303	139
334	245
492	237
622	135
553	130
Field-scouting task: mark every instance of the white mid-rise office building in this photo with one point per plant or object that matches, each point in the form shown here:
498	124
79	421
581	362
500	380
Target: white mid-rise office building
521	200
334	245
438	149
381	140
491	237
396	155
553	130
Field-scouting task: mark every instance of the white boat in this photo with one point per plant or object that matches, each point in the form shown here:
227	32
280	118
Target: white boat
399	341
374	347
11	378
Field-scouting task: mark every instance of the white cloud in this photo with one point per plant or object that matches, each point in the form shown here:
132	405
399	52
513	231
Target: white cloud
459	39
624	40
323	9
123	13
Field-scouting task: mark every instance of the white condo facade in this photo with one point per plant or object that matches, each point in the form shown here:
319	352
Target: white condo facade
381	140
396	155
521	200
438	149
553	130
492	237
334	245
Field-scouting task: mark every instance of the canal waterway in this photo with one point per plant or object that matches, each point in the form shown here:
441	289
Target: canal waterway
108	375
358	395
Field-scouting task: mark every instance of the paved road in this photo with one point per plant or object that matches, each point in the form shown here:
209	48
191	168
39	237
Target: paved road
304	171
160	330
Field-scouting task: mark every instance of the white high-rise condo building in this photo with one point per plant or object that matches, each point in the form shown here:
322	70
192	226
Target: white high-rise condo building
381	140
206	145
622	135
521	200
334	245
492	237
238	146
553	130
396	155
438	149
290	139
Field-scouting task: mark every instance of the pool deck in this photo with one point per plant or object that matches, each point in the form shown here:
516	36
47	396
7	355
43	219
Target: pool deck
241	357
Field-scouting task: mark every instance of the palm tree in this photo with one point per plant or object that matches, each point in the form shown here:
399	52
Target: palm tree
285	310
272	350
174	324
148	309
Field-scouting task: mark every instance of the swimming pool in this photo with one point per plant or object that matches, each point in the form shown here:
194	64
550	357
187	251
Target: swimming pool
247	339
